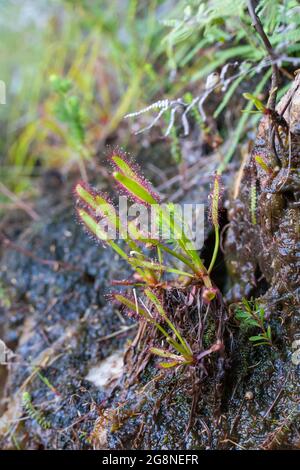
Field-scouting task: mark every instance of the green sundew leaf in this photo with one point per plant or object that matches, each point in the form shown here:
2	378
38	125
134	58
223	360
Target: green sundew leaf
269	333
168	217
159	254
177	346
138	235
165	221
98	204
132	305
158	267
101	207
177	255
93	226
170	222
177	271
175	359
124	167
107	211
168	365
156	302
256	338
160	259
135	233
170	340
257	102
135	188
199	266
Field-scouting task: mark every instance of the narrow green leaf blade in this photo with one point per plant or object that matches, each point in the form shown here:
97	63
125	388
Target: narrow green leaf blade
134	188
257	103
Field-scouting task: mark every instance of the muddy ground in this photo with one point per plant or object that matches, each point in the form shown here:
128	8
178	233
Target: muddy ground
67	341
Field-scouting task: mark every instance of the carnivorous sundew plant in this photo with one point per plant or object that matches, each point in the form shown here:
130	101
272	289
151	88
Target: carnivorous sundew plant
171	289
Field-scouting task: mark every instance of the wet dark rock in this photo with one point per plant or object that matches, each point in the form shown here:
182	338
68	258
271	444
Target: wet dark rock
262	254
263	241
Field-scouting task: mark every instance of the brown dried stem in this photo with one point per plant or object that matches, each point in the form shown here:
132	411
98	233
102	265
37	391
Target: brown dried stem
275	75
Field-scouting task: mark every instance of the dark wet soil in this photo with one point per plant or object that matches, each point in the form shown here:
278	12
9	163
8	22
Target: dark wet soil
56	315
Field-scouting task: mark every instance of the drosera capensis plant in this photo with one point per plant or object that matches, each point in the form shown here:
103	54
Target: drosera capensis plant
154	273
94	210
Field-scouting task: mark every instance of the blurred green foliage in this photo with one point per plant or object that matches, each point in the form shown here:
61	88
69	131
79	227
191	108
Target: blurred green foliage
117	57
204	35
105	50
68	108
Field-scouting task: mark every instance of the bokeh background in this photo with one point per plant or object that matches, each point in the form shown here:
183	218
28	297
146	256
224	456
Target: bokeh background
74	68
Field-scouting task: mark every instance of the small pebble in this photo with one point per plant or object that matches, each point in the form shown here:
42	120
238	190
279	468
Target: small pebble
249	395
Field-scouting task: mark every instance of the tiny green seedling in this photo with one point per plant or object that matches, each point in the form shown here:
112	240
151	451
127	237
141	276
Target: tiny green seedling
68	111
252	315
33	413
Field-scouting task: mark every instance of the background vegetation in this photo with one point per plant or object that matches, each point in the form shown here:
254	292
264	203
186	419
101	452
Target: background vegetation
119	57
